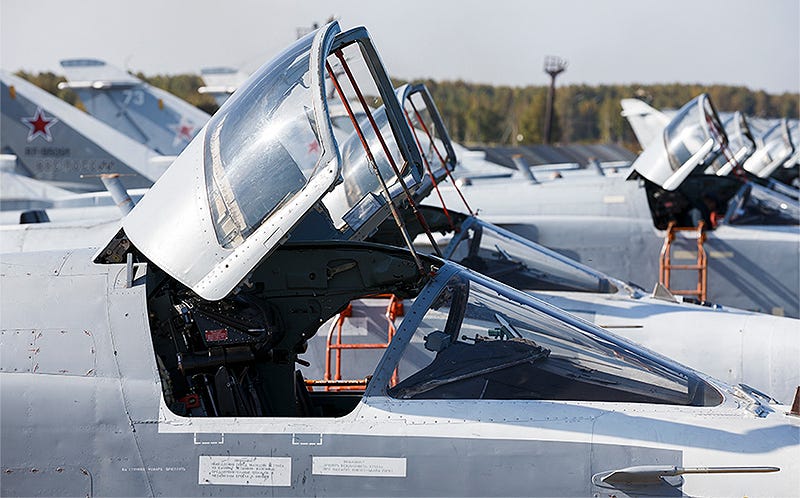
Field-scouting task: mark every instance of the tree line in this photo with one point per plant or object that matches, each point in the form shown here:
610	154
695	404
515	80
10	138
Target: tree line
480	114
503	115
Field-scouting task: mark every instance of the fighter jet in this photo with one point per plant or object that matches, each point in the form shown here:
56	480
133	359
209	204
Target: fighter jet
44	138
184	332
745	256
526	266
146	114
141	129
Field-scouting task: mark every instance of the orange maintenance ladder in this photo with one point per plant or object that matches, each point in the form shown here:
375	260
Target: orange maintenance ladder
666	266
333	381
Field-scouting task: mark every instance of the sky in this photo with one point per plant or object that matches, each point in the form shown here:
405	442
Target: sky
502	42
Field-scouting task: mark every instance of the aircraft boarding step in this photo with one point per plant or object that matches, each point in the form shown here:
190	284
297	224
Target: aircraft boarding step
333	381
666	267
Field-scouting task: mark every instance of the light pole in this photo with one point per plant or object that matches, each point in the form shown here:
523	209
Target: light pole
553	66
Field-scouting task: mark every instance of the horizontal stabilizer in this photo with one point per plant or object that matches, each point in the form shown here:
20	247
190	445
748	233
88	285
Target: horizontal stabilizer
227	77
221	82
15	187
95	73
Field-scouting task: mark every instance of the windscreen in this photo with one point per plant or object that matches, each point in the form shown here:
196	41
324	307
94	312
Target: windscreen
262	146
482	341
519	263
757	205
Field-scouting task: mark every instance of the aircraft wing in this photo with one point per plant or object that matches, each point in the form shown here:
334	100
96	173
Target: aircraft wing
96	74
14	187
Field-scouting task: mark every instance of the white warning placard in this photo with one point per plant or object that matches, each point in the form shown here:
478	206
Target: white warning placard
359	466
245	470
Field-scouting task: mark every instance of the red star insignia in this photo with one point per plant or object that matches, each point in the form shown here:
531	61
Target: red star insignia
39	125
184	132
313	147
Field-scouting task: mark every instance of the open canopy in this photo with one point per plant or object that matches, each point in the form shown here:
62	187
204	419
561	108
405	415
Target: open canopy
269	156
430	134
775	147
692	140
740	142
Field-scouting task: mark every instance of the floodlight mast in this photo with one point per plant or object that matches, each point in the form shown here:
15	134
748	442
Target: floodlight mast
553	66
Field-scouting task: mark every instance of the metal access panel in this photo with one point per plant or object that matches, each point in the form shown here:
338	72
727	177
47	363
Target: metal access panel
57	351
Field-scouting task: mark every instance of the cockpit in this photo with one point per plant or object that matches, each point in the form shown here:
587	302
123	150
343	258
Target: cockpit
754	204
232	305
270	158
691	142
686	193
474	243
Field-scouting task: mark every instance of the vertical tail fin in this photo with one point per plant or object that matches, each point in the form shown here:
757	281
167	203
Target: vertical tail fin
158	119
647	122
56	142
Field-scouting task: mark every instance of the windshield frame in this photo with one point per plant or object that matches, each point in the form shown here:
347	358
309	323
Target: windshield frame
356	219
401	133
